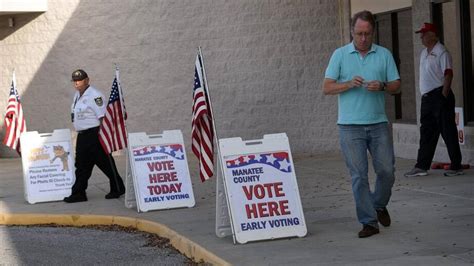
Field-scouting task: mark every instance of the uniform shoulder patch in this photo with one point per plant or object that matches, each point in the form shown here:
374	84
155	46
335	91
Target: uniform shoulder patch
99	101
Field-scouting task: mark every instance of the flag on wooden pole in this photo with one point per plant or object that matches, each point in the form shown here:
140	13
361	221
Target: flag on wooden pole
14	120
202	130
113	134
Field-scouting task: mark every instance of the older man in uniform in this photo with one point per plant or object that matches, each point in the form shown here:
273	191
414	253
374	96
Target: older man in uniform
87	112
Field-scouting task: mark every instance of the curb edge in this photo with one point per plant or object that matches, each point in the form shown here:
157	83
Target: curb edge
181	243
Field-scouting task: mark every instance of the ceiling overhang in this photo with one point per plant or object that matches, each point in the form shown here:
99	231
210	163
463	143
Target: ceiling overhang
11	7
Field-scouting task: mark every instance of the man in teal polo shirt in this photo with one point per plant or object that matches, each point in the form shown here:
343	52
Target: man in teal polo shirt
360	73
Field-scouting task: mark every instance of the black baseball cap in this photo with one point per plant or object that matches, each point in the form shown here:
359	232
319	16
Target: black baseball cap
79	75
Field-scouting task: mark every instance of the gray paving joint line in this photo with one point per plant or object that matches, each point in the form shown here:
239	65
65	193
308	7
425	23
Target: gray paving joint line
462	258
437	193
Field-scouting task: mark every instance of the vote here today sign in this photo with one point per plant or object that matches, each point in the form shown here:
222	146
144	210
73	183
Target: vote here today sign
263	192
161	177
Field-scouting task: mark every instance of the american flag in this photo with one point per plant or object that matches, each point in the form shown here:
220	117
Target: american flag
202	132
112	134
14	120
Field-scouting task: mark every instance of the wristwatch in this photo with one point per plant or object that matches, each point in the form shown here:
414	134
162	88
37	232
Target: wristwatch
384	84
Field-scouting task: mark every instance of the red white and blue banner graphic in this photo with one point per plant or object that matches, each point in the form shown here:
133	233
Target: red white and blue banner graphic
174	150
278	160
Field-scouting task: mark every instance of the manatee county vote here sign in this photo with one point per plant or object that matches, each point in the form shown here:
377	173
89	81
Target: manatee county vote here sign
263	194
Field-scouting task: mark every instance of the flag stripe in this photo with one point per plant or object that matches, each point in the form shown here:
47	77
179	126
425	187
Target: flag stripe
113	134
202	132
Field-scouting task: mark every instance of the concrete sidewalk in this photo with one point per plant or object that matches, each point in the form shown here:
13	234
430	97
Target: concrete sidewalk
432	217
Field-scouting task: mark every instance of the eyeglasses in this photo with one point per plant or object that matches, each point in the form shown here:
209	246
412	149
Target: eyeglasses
363	34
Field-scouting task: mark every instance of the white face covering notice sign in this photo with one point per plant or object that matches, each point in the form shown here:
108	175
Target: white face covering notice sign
48	165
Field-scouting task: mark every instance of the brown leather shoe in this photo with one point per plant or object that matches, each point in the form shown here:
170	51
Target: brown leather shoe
367	231
383	217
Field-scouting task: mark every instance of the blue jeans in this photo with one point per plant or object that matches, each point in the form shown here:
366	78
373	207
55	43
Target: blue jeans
356	140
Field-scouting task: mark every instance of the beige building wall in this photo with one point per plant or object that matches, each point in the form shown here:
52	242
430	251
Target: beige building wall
265	62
